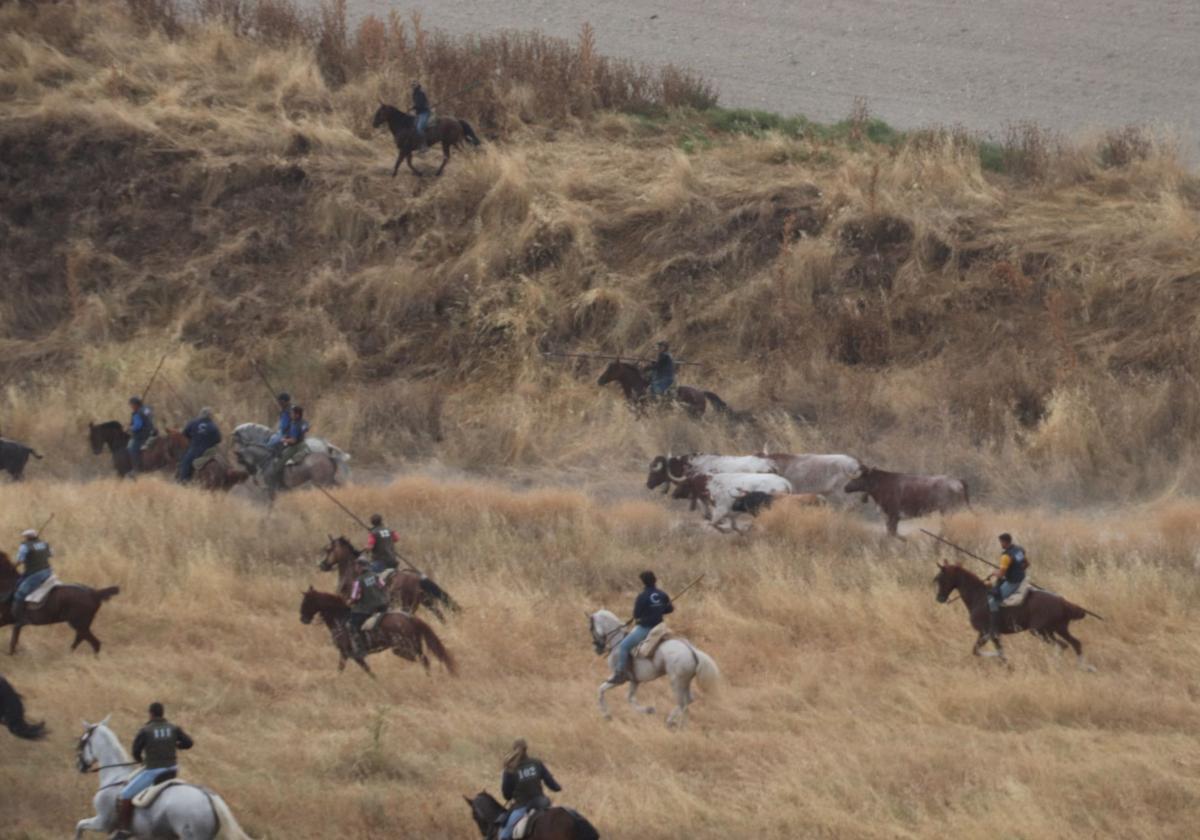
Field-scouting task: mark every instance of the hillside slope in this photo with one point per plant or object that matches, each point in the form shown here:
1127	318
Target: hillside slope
215	194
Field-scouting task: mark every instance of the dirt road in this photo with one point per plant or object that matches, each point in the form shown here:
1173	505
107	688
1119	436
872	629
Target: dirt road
1073	65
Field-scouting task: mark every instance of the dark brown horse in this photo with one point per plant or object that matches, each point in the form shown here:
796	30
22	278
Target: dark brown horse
75	604
407	590
552	824
637	391
218	475
12	714
162	453
449	131
1043	613
401	633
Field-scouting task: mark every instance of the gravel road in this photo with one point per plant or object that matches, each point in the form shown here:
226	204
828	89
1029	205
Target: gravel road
1073	65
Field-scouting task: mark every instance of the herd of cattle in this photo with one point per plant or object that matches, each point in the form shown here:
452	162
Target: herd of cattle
726	485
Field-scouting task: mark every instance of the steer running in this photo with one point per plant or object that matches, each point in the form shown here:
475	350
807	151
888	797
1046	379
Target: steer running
721	492
899	495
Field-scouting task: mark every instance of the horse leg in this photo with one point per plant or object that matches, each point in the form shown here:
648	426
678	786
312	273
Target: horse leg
678	716
445	157
396	168
414	169
1064	631
604	686
16	634
96	823
893	526
362	663
633	689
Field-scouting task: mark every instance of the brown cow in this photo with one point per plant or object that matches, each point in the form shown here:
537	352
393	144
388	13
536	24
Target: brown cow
899	495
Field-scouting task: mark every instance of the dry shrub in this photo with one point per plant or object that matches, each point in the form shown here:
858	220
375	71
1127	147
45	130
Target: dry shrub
1126	145
1029	151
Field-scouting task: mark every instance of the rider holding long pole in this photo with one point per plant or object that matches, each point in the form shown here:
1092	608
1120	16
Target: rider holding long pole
648	611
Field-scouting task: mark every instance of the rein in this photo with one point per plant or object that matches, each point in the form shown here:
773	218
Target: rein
110	766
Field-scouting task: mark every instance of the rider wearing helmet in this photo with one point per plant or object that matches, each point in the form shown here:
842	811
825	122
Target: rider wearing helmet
34	559
522	784
368	596
381	543
155	747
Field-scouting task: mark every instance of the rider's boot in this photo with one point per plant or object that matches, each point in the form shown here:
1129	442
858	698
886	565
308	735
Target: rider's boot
18	612
124	820
357	644
994	623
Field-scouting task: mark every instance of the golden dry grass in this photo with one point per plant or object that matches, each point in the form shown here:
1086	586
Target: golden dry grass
850	708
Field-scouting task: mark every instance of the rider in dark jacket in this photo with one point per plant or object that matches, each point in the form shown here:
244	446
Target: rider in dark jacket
155	746
662	372
141	429
420	106
522	784
202	434
648	611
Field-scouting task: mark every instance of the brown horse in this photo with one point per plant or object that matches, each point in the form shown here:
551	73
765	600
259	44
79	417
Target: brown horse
401	633
1045	614
75	604
12	714
449	131
217	475
555	823
637	391
407	589
162	453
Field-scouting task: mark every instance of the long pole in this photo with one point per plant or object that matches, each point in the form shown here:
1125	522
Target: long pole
146	390
614	358
675	597
45	525
264	379
458	93
364	525
186	407
994	566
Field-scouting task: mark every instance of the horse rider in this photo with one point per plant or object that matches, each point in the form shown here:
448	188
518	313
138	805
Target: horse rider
34	559
662	372
1013	565
522	784
202	434
381	543
287	447
155	747
368	596
648	611
420	106
141	429
284	401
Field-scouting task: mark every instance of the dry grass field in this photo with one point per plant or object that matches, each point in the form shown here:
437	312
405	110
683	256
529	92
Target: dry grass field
205	184
850	706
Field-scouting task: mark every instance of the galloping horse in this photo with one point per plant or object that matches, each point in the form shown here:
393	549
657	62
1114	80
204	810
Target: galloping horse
407	589
163	452
181	810
449	131
637	390
324	464
674	657
73	603
552	824
401	633
12	714
1045	614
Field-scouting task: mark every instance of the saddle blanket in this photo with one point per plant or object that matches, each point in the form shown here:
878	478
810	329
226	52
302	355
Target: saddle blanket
658	634
373	622
146	798
213	453
1018	596
38	595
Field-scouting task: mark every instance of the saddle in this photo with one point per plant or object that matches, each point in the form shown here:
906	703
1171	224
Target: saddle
147	797
373	622
524	826
38	595
213	453
1019	595
658	634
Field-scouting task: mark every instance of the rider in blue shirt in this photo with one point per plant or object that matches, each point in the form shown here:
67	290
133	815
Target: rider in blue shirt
141	429
285	419
648	611
289	446
34	559
202	434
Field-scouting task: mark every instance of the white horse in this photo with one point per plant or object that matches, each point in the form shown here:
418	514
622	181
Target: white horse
181	811
325	464
675	658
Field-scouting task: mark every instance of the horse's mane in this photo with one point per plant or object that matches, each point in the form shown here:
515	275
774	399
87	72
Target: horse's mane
964	572
483	794
327	600
341	540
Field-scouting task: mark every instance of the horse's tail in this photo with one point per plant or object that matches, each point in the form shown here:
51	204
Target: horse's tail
434	644
717	403
103	595
707	672
227	825
432	590
12	710
1074	612
35	454
469	132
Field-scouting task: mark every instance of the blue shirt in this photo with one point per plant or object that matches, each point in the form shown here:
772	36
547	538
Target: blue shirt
142	421
297	429
202	432
23	551
651	605
285	420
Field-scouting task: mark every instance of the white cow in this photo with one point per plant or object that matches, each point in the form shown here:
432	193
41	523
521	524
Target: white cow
672	469
719	492
825	475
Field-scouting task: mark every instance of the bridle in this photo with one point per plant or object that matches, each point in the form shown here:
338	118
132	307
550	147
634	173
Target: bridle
602	643
90	768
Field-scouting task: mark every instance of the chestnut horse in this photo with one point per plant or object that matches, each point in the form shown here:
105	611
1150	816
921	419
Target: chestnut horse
1044	613
407	589
162	453
449	131
73	603
555	823
216	474
401	633
12	714
637	391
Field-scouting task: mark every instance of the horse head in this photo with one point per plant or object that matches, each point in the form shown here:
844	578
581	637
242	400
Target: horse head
484	810
309	606
947	581
380	115
85	751
610	374
327	563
